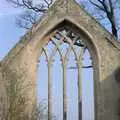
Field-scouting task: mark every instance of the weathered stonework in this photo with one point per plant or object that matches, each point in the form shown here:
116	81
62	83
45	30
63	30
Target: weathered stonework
22	60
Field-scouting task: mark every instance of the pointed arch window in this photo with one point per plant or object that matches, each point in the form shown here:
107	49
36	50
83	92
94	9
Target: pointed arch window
65	42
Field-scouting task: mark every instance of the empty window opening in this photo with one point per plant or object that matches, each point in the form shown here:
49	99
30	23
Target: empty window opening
65	78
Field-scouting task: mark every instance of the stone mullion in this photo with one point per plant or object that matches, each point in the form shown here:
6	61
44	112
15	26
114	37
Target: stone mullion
65	62
79	92
64	93
50	90
50	66
80	65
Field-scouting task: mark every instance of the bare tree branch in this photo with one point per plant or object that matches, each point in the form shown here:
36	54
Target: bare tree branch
32	11
28	4
106	6
108	9
27	19
98	6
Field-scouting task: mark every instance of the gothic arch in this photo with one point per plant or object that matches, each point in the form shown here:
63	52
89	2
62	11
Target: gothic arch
21	62
87	38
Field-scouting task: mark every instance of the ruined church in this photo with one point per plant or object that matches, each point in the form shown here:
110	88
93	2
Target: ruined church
65	22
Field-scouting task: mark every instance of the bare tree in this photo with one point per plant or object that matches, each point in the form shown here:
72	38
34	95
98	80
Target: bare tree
42	6
106	12
27	19
32	11
106	9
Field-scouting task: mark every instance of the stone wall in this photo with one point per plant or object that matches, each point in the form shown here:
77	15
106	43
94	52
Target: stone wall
21	62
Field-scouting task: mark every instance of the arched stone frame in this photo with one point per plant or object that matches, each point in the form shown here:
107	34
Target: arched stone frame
87	38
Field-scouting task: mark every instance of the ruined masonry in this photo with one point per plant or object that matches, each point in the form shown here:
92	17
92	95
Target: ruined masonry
21	62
